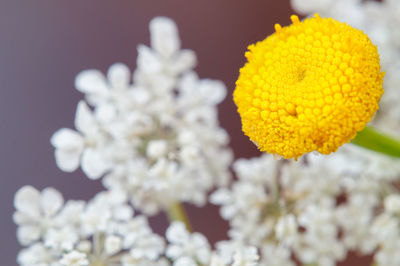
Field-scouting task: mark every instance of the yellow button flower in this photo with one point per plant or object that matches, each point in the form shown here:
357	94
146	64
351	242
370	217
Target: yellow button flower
310	86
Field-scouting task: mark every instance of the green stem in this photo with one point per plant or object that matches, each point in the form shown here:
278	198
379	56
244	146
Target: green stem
374	140
176	212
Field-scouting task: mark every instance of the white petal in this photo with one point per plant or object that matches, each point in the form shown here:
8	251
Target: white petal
147	60
84	119
67	161
213	91
27	234
93	163
123	213
164	36
112	244
188	83
177	233
310	6
91	82
34	255
185	261
51	201
106	113
185	60
174	251
21	218
119	76
26	201
66	138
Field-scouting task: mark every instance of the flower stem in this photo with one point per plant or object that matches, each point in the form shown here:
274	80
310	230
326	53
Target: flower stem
176	212
374	140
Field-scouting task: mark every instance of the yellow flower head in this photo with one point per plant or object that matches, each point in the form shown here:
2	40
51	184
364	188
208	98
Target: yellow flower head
310	86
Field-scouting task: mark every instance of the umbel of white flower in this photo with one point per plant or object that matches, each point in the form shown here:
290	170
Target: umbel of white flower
105	231
156	135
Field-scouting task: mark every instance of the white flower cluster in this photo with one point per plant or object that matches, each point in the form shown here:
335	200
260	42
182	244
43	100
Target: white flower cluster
193	249
157	138
316	210
79	233
105	232
155	142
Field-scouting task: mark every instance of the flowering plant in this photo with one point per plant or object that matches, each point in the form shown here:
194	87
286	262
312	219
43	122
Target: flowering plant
155	143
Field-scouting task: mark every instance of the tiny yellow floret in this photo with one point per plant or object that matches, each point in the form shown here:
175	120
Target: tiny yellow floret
310	86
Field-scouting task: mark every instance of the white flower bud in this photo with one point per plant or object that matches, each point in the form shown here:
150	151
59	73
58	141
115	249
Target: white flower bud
392	203
112	245
157	148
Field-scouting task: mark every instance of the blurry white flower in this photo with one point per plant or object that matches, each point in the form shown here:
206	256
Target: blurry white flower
186	248
112	244
62	239
156	148
245	257
74	258
36	254
164	36
235	254
286	229
35	211
392	203
149	246
85	146
100	229
157	136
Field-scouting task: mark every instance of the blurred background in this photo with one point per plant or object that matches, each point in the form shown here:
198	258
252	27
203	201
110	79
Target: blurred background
45	43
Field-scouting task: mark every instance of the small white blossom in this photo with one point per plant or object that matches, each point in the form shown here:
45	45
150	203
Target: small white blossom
286	229
185	246
74	258
63	239
392	203
156	148
35	211
36	255
86	145
112	244
246	257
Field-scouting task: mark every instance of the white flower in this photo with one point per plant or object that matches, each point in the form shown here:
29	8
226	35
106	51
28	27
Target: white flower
216	260
197	92
61	239
186	247
164	36
392	203
157	136
74	258
235	254
35	211
128	260
69	145
286	229
149	246
245	257
112	244
275	255
157	148
85	147
101	91
36	255
104	210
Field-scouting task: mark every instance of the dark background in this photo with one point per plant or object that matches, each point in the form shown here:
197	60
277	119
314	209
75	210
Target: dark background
45	43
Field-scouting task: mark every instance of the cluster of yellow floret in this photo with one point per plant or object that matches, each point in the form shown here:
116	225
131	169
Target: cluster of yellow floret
310	86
